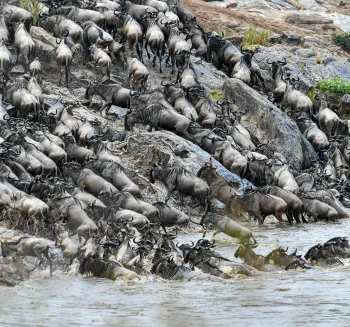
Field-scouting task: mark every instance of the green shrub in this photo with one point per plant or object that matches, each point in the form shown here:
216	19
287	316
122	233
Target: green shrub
256	37
217	95
33	6
335	85
343	40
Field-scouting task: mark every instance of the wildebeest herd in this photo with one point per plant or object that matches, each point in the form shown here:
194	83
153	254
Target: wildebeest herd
59	178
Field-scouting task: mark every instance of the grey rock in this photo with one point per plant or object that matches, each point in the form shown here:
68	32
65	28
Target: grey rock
307	19
165	146
208	75
305	53
271	124
119	111
290	38
45	45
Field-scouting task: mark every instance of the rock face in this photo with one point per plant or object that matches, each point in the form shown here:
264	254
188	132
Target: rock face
307	19
208	75
45	44
168	147
302	62
270	123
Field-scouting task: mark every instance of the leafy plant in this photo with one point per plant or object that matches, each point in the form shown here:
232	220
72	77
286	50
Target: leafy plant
33	6
343	40
256	37
335	84
217	95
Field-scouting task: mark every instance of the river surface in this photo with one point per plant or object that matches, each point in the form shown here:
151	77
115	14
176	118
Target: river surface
294	298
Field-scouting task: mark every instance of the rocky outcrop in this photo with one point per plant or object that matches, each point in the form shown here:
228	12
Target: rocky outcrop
45	44
307	19
270	123
169	147
208	75
304	63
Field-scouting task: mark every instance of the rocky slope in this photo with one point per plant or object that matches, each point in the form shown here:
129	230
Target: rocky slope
304	38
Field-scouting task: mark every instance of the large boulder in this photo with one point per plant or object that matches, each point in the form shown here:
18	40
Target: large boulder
168	147
45	44
270	123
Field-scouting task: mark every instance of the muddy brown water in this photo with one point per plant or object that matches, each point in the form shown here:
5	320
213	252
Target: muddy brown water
311	297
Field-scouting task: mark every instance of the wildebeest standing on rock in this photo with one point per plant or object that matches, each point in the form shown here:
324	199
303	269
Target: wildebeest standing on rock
64	57
14	14
93	34
6	60
25	46
138	75
178	178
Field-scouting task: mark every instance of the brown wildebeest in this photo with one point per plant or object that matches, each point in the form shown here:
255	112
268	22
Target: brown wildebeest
258	205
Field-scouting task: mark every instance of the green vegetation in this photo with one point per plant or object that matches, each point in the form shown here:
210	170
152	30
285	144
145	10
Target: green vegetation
33	6
311	94
217	95
335	85
343	40
256	37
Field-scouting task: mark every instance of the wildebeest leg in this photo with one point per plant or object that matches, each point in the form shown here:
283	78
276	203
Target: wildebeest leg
290	217
297	218
171	189
37	249
46	254
146	44
60	71
303	218
104	106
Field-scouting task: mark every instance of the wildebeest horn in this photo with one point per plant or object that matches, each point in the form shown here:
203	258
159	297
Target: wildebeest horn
283	62
270	63
243	50
66	34
59	41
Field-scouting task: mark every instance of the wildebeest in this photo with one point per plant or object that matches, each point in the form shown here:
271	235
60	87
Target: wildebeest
93	265
295	99
228	226
246	253
329	252
157	115
258	205
178	178
59	25
170	216
295	207
277	75
27	246
25	46
6	59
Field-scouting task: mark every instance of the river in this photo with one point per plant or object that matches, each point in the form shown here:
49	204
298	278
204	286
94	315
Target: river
311	297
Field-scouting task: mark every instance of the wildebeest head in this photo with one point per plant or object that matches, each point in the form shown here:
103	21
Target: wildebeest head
276	66
155	172
244	249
